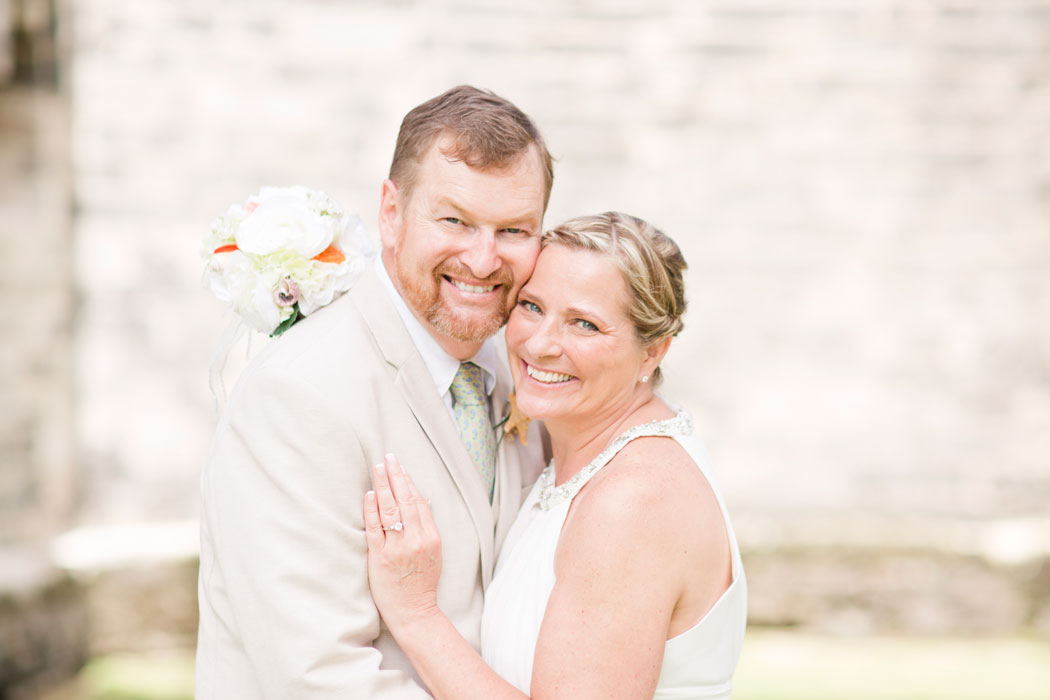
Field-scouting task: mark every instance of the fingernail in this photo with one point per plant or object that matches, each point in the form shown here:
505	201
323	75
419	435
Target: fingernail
380	468
370	494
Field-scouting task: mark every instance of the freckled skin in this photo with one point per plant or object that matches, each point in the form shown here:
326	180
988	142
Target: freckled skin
572	319
459	224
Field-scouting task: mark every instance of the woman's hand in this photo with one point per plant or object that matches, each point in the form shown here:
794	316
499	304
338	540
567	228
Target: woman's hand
404	547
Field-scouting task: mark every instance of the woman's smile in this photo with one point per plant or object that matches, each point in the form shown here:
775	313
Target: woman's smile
573	348
547	377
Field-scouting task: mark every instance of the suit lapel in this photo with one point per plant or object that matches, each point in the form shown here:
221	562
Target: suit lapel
416	385
507	496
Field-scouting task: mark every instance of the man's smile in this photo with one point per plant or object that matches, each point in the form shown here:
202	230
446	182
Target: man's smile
470	288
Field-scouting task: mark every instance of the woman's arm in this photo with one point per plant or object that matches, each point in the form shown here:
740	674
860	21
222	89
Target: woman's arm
628	552
621	568
403	570
643	555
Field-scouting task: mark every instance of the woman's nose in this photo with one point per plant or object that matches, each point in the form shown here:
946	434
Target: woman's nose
544	341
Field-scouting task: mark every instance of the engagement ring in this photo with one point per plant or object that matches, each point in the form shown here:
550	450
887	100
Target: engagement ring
398	527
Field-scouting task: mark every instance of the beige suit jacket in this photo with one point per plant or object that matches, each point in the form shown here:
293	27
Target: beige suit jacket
285	610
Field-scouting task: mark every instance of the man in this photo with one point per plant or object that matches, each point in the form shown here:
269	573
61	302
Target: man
285	610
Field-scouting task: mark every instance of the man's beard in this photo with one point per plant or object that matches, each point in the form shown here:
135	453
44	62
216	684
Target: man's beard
426	298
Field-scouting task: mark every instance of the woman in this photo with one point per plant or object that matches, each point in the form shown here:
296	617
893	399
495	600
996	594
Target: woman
621	576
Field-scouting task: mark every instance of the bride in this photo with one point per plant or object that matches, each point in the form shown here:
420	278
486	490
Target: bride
621	576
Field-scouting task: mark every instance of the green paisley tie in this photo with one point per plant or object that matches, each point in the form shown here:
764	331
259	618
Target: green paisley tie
472	418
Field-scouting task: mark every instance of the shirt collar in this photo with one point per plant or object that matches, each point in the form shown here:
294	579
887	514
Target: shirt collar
440	364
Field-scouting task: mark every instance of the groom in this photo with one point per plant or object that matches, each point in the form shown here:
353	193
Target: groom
402	363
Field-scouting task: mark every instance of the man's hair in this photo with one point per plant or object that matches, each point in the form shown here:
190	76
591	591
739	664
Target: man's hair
487	132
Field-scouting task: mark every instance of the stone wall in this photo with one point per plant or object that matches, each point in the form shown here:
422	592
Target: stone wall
853	591
43	624
37	481
29	41
7	53
862	190
44	627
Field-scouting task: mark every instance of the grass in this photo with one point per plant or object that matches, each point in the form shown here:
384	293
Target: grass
147	676
779	665
776	665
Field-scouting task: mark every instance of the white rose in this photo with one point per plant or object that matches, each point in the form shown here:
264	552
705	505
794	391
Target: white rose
223	230
223	271
256	306
353	238
232	278
276	236
282	220
328	280
253	300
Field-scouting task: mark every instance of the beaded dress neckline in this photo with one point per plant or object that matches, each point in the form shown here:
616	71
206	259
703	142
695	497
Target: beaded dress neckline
550	495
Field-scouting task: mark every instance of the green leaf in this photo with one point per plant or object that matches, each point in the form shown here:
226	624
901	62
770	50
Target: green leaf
288	322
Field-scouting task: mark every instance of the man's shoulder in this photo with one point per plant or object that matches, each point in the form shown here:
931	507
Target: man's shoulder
335	341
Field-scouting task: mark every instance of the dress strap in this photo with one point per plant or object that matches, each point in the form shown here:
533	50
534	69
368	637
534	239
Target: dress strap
551	495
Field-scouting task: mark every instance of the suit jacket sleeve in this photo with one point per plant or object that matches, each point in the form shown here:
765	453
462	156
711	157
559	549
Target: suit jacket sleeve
283	489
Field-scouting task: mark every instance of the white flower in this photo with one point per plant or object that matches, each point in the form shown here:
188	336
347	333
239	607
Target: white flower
223	230
327	280
282	220
232	278
286	253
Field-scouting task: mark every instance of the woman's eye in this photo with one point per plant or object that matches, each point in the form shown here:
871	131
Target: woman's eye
585	325
529	306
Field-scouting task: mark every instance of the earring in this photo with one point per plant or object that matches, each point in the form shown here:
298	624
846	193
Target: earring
645	378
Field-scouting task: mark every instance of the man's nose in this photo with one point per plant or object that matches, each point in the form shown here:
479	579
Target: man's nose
481	256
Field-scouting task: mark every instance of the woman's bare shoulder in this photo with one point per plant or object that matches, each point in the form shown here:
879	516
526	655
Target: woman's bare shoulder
652	482
657	472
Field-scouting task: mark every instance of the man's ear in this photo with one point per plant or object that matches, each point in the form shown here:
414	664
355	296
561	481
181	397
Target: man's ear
389	214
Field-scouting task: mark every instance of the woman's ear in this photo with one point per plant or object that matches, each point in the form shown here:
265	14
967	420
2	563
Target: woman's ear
654	355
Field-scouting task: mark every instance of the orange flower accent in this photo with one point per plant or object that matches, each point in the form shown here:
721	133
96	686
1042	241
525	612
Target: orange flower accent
517	422
228	248
331	254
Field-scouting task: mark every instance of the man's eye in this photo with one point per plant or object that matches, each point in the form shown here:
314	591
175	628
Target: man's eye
452	220
514	231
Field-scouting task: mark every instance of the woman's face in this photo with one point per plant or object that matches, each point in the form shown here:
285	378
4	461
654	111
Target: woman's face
573	351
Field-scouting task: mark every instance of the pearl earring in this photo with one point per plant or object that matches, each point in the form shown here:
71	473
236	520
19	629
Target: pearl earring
645	378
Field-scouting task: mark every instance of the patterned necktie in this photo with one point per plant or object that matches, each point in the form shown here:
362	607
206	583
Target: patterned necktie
471	407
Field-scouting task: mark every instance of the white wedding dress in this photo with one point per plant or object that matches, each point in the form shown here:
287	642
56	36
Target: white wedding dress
697	663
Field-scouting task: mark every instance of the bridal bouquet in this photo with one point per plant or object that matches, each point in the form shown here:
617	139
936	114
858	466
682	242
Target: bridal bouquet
282	255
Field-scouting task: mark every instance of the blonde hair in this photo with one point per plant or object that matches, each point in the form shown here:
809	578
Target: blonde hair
651	264
486	130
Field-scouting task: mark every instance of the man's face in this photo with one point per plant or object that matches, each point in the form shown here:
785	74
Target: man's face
463	243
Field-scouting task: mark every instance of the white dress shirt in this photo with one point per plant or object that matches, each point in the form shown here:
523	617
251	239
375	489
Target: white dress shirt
441	365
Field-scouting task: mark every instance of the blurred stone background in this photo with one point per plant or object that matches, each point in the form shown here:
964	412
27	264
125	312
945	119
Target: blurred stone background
862	188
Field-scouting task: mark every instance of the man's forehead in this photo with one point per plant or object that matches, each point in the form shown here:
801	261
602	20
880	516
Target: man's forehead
517	191
446	148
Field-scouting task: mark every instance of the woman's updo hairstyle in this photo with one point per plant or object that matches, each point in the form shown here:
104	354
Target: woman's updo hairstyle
651	264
